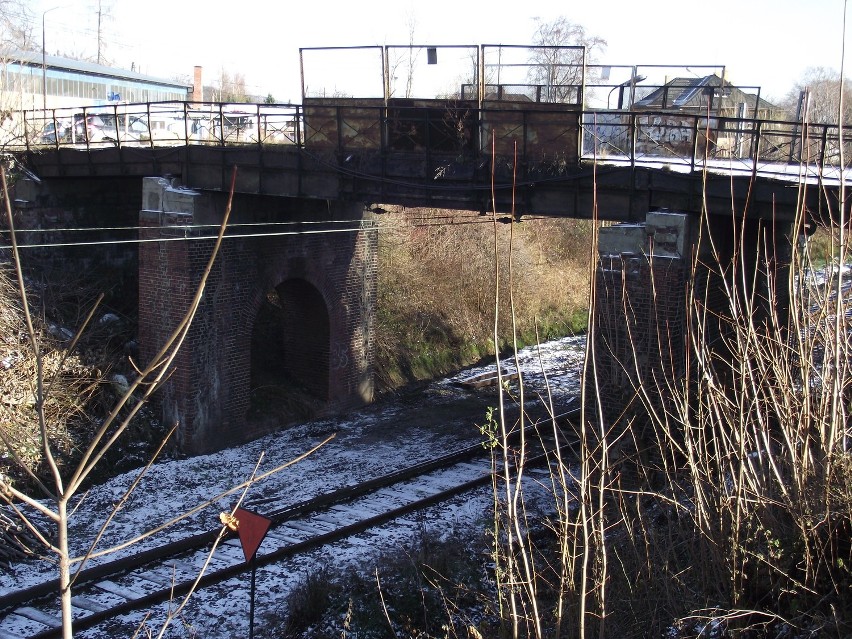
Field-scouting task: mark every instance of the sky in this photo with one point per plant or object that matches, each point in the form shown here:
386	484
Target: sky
766	43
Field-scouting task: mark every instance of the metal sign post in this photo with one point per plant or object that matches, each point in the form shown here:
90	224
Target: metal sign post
253	563
251	528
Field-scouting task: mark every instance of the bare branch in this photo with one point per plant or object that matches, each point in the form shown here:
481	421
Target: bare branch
205	504
120	504
48	453
23	465
160	363
222	532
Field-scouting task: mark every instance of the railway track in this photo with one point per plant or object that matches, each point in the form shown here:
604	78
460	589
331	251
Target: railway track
151	577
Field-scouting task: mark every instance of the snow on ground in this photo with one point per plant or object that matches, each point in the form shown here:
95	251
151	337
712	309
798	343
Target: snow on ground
554	365
376	440
797	173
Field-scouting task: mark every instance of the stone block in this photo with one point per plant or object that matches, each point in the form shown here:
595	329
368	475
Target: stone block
152	192
623	238
176	200
670	233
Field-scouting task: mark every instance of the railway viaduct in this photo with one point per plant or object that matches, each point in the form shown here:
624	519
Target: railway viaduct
292	294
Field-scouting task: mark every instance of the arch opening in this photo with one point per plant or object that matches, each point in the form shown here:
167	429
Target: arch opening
289	356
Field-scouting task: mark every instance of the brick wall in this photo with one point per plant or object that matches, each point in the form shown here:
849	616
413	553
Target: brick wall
328	280
640	321
98	249
639	336
655	281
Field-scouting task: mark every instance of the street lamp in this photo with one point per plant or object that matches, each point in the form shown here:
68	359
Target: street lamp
634	79
44	61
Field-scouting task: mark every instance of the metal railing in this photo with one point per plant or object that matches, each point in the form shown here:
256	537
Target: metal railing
458	127
156	124
695	140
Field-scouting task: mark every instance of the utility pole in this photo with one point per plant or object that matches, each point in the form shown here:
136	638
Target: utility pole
44	59
100	41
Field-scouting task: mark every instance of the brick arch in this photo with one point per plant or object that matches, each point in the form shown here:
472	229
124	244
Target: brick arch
290	339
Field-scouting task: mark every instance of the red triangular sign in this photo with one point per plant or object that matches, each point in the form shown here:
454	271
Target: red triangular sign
252	529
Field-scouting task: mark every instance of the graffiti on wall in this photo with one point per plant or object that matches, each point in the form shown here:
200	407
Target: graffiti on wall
655	134
664	135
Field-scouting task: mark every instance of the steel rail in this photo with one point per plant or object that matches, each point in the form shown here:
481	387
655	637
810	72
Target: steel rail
13	601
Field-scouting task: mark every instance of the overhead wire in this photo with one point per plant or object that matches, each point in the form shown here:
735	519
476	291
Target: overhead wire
357	226
461	214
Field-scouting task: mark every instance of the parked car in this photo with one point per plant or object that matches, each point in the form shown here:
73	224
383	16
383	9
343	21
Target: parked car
92	129
49	134
133	129
166	128
105	128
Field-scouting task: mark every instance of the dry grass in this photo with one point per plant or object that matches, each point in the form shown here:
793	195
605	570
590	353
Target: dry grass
719	504
80	390
436	283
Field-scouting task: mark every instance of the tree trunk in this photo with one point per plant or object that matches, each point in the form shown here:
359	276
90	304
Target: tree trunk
64	569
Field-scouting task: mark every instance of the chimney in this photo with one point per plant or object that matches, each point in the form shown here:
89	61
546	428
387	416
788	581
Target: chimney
197	87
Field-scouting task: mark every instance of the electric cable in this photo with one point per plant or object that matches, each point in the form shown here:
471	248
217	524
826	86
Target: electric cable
487	219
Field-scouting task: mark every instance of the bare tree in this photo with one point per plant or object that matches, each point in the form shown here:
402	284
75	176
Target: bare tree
15	26
413	54
15	35
63	487
230	88
556	66
404	62
59	488
817	97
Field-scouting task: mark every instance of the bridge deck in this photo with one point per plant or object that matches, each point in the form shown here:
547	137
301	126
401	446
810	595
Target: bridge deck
529	158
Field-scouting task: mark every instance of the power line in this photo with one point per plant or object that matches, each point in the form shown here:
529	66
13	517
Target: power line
462	215
188	238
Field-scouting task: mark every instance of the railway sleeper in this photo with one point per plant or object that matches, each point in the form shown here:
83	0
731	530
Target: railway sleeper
280	536
89	605
40	617
330	519
311	529
352	512
124	592
156	577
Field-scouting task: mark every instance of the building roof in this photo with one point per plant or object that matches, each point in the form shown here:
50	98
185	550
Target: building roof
34	58
683	93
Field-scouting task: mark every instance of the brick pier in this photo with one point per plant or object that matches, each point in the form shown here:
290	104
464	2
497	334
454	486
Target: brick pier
322	283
